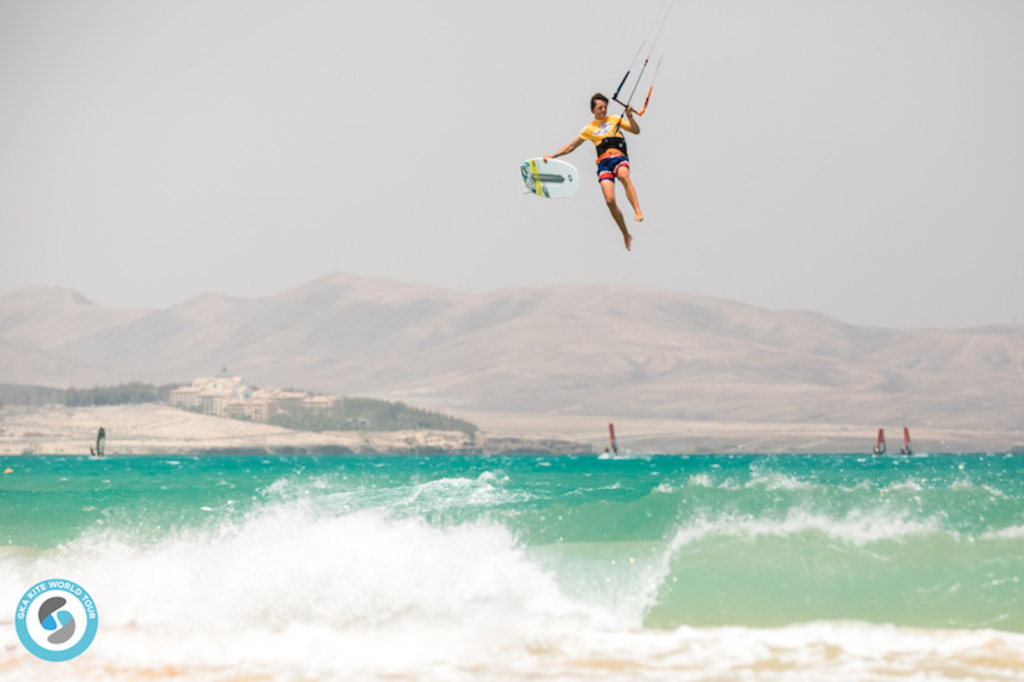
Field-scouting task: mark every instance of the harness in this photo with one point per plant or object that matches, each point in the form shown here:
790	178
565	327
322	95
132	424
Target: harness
613	142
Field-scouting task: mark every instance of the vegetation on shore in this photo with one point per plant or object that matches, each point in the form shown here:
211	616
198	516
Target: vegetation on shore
29	396
134	393
348	414
367	414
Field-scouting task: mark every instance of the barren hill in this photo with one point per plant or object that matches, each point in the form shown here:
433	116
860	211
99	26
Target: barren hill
590	350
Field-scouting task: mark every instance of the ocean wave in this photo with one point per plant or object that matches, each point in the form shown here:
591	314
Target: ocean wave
289	565
462	493
857	527
777	481
701	480
909	483
338	494
764	476
1010	533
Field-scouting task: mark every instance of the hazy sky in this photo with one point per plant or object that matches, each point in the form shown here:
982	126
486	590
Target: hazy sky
861	158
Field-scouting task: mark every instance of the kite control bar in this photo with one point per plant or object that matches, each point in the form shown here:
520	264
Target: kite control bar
639	112
615	97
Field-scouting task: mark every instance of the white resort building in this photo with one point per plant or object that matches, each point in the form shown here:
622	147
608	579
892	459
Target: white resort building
230	396
211	394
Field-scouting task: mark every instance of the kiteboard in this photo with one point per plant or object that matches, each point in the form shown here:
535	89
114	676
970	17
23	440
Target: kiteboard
552	180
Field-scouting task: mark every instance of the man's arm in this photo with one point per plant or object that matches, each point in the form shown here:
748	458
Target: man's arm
631	125
565	150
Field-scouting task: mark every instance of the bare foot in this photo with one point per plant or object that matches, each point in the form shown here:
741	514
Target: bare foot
629	241
639	217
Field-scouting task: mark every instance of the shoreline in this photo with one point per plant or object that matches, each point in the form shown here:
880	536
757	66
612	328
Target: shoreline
158	429
696	437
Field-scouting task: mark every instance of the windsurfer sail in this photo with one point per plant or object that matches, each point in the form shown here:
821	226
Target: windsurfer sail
611	435
906	449
880	445
101	441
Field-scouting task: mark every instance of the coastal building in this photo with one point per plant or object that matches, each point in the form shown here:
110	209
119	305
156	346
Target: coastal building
321	403
211	394
279	400
255	409
289	400
231	396
186	396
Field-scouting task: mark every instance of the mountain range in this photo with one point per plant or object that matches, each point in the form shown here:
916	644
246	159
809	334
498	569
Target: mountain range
571	350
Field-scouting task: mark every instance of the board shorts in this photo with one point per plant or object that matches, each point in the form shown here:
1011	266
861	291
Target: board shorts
606	168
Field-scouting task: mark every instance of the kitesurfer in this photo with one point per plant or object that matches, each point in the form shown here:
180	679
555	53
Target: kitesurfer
612	158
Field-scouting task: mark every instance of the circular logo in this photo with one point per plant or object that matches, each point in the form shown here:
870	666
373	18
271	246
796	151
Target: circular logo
56	620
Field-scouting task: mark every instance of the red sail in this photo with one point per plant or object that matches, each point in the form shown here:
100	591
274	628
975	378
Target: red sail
880	445
906	449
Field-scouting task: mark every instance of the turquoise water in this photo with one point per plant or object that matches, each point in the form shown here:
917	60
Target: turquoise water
563	545
924	541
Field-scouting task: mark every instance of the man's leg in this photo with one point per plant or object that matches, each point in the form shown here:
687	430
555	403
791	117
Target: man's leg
627	183
608	188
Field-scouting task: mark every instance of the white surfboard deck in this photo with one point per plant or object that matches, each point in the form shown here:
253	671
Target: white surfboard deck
552	180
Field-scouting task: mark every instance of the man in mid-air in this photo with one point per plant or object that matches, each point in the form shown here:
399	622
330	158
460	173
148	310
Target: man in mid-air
612	160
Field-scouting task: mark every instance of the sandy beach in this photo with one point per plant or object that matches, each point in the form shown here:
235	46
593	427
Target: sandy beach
161	429
705	437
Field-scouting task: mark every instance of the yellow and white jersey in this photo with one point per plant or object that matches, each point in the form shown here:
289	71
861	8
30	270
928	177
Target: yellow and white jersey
596	131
